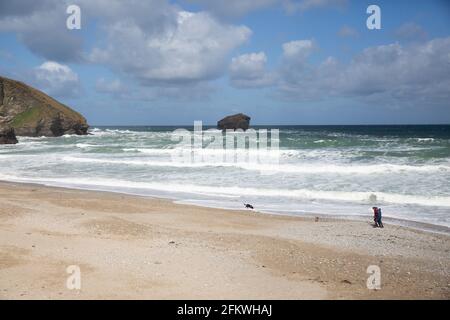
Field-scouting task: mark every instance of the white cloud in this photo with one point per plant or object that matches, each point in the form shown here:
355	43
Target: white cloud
56	79
249	71
298	50
154	41
294	60
249	65
41	26
193	49
395	73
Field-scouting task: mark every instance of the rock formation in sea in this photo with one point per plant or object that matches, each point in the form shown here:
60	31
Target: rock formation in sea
236	121
7	135
33	113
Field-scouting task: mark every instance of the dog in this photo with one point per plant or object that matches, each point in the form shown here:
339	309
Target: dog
248	206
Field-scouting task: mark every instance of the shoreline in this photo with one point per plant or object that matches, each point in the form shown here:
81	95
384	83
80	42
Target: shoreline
133	247
410	224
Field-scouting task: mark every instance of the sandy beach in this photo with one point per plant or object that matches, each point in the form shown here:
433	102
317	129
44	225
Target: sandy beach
130	247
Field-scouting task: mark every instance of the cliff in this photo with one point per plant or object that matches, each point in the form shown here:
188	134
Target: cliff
31	112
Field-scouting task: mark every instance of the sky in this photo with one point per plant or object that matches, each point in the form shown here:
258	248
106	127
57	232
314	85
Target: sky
286	62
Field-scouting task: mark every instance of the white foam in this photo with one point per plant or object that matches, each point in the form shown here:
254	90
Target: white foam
425	139
305	194
85	145
153	151
285	168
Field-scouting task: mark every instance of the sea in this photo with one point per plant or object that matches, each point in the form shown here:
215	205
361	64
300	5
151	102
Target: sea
335	171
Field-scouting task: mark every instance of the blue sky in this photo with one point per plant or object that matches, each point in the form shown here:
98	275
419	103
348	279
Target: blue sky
161	62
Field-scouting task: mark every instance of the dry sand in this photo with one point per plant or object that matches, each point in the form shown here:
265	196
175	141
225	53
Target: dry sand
130	247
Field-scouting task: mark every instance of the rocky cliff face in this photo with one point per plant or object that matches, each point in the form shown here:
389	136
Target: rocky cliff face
33	113
7	135
236	121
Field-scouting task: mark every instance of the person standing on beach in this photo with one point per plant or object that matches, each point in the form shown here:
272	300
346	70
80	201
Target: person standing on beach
375	216
380	224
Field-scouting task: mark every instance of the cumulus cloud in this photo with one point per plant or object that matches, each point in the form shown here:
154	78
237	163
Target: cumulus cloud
392	74
298	50
249	71
401	74
41	26
153	41
193	49
294	64
153	16
56	79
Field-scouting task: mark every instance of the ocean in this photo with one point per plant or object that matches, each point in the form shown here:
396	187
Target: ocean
341	171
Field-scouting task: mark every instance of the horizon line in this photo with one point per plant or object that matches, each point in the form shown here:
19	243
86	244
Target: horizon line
281	125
